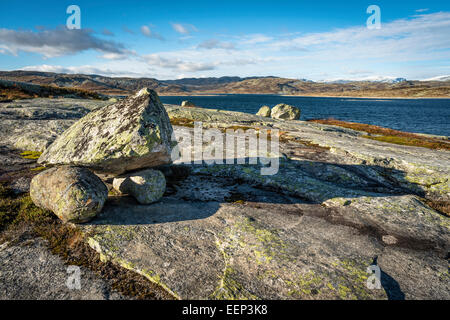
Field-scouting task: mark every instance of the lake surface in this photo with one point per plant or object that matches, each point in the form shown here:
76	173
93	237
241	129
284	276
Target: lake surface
413	115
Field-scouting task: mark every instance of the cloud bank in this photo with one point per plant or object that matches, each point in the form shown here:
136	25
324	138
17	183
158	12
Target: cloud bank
416	47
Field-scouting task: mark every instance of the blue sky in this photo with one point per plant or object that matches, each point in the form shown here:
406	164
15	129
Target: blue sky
318	40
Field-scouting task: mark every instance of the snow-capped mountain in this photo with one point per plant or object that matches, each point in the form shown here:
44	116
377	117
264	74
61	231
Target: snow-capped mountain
385	79
439	78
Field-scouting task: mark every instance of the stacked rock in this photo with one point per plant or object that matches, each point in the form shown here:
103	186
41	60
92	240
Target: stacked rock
131	135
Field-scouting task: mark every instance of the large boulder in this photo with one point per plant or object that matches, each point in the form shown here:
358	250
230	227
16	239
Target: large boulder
285	112
264	111
131	134
145	186
74	194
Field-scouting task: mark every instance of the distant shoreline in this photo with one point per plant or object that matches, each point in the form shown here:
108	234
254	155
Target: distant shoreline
300	96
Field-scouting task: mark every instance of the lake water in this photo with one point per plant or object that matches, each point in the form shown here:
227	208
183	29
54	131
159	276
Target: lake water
413	115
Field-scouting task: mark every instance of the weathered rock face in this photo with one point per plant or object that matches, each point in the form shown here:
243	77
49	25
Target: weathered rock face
187	104
31	272
131	134
264	111
286	112
35	123
73	194
145	186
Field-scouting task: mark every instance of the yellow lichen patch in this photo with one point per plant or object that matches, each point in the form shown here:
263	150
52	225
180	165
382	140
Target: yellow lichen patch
352	284
305	285
229	288
32	155
38	169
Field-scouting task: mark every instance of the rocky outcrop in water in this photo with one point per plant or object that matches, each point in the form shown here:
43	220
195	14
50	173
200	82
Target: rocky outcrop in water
131	134
264	111
73	194
187	104
285	112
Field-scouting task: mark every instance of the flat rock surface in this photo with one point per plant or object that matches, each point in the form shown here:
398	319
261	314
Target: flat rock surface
338	204
34	124
269	246
29	271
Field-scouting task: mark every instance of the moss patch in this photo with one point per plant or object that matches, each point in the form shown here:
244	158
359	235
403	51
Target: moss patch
390	135
183	122
37	169
285	138
15	210
442	207
406	141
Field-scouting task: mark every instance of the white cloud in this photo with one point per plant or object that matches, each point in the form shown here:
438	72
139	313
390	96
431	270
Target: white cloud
107	33
104	70
177	64
146	31
216	44
255	39
56	42
127	30
118	56
183	28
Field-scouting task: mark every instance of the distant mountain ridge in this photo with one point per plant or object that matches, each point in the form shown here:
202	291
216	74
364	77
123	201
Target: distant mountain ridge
381	87
440	78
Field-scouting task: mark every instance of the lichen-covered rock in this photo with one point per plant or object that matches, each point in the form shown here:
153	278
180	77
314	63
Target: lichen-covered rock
74	194
131	134
145	186
286	112
264	111
187	104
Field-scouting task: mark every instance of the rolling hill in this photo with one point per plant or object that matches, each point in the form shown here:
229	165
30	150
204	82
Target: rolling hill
235	85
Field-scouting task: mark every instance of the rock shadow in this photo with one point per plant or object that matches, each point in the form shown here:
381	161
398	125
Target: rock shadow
389	284
326	179
124	210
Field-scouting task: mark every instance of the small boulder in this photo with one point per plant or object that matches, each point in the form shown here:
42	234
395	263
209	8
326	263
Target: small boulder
145	186
187	104
73	194
134	133
264	111
285	112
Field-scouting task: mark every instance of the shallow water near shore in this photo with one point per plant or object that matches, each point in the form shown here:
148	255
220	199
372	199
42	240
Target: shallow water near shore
431	116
